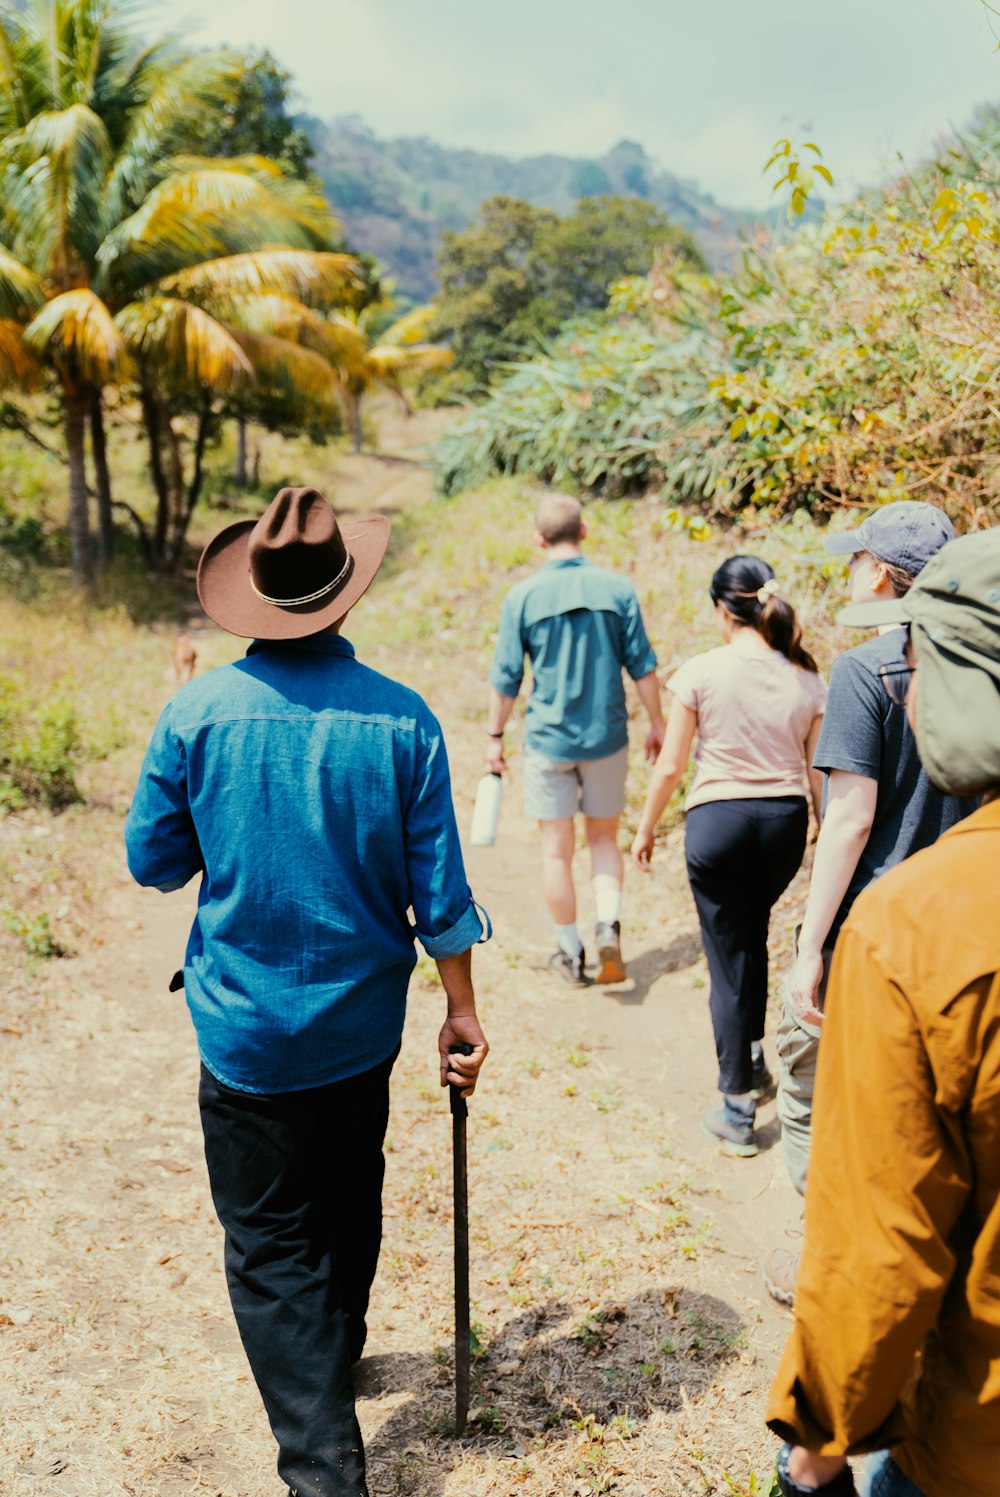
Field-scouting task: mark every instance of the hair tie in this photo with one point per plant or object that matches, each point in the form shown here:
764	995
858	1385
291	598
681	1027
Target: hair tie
770	589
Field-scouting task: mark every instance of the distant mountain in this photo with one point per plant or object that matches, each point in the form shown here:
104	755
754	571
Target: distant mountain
396	197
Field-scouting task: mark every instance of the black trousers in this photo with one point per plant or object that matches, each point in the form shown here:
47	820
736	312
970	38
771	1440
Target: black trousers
297	1183
741	856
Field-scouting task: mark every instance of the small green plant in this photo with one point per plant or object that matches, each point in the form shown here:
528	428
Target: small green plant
40	748
755	1486
35	934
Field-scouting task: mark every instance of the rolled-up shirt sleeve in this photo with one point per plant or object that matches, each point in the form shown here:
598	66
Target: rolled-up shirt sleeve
161	843
639	657
447	919
507	669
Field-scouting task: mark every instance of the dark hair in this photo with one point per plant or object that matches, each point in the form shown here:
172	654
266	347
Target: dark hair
737	585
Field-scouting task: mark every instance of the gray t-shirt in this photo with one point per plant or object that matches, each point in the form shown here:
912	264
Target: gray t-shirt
866	734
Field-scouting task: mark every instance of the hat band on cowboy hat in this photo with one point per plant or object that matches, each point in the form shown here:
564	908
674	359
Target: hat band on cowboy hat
320	592
293	572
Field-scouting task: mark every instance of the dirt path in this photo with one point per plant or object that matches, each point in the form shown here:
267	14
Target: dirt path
627	1344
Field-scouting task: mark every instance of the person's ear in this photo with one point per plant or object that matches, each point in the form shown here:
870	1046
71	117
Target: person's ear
880	582
583	531
540	540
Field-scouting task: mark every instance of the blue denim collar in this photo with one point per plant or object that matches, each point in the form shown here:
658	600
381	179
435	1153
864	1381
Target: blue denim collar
568	561
319	644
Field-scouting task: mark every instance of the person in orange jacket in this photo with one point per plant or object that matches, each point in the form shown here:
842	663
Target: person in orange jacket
896	1345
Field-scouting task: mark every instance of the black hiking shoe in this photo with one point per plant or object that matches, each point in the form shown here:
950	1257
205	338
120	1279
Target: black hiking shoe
733	1127
761	1080
610	967
570	968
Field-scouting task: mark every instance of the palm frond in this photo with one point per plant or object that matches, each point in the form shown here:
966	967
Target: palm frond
14	107
198	216
412	328
169	94
20	287
317	278
290	369
389	361
183	344
18	364
275	315
76	331
54	173
347	348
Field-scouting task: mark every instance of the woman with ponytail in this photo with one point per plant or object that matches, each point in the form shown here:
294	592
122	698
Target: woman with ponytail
756	705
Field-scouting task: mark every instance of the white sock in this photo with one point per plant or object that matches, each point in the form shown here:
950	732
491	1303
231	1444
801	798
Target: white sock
608	896
569	939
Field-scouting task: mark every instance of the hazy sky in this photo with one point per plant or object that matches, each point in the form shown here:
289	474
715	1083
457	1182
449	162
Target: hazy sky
706	87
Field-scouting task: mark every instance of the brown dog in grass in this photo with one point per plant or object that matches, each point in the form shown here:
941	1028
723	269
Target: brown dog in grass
185	656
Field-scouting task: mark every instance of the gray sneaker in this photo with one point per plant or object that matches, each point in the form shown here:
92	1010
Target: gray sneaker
732	1127
569	968
762	1082
610	967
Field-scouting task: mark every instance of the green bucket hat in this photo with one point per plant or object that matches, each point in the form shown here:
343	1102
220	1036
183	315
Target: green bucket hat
953	610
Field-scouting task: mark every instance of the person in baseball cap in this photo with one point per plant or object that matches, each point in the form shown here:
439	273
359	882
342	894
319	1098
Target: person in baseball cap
905	535
879	807
951	616
896	1344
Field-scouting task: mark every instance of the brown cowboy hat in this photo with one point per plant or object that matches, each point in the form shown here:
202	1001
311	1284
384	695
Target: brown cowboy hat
291	573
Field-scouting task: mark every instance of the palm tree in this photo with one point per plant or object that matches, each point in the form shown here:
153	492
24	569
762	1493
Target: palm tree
400	350
124	259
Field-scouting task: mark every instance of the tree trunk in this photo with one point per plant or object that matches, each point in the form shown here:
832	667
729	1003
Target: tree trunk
102	480
194	487
151	417
79	509
241	453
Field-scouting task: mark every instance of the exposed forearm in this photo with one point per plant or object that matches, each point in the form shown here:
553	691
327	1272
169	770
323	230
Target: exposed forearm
498	711
456	979
662	784
841	842
648	688
816	780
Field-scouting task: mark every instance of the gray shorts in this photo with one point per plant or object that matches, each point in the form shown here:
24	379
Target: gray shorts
554	789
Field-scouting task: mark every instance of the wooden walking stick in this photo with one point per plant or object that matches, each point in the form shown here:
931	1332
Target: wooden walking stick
459	1117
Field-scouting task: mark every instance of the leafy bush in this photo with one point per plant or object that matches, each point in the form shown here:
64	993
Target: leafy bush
593	413
855	364
40	748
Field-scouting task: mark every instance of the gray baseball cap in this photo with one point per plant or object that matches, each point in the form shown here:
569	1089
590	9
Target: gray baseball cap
905	534
953	610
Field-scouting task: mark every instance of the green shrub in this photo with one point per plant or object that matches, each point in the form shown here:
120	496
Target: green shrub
35	934
40	748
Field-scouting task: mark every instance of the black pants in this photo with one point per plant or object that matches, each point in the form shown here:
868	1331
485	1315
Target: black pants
741	856
297	1183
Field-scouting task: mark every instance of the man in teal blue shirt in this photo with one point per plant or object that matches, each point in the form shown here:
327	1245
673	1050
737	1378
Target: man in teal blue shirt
579	626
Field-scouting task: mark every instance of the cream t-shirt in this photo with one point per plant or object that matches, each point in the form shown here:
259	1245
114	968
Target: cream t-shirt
755	709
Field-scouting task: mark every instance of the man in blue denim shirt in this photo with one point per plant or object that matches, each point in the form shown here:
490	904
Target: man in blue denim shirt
312	795
580	626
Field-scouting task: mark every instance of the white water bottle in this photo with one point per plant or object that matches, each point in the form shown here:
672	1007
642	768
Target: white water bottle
487	811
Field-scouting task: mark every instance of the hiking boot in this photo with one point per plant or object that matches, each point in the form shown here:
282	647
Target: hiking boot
780	1269
761	1080
610	967
569	968
732	1127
